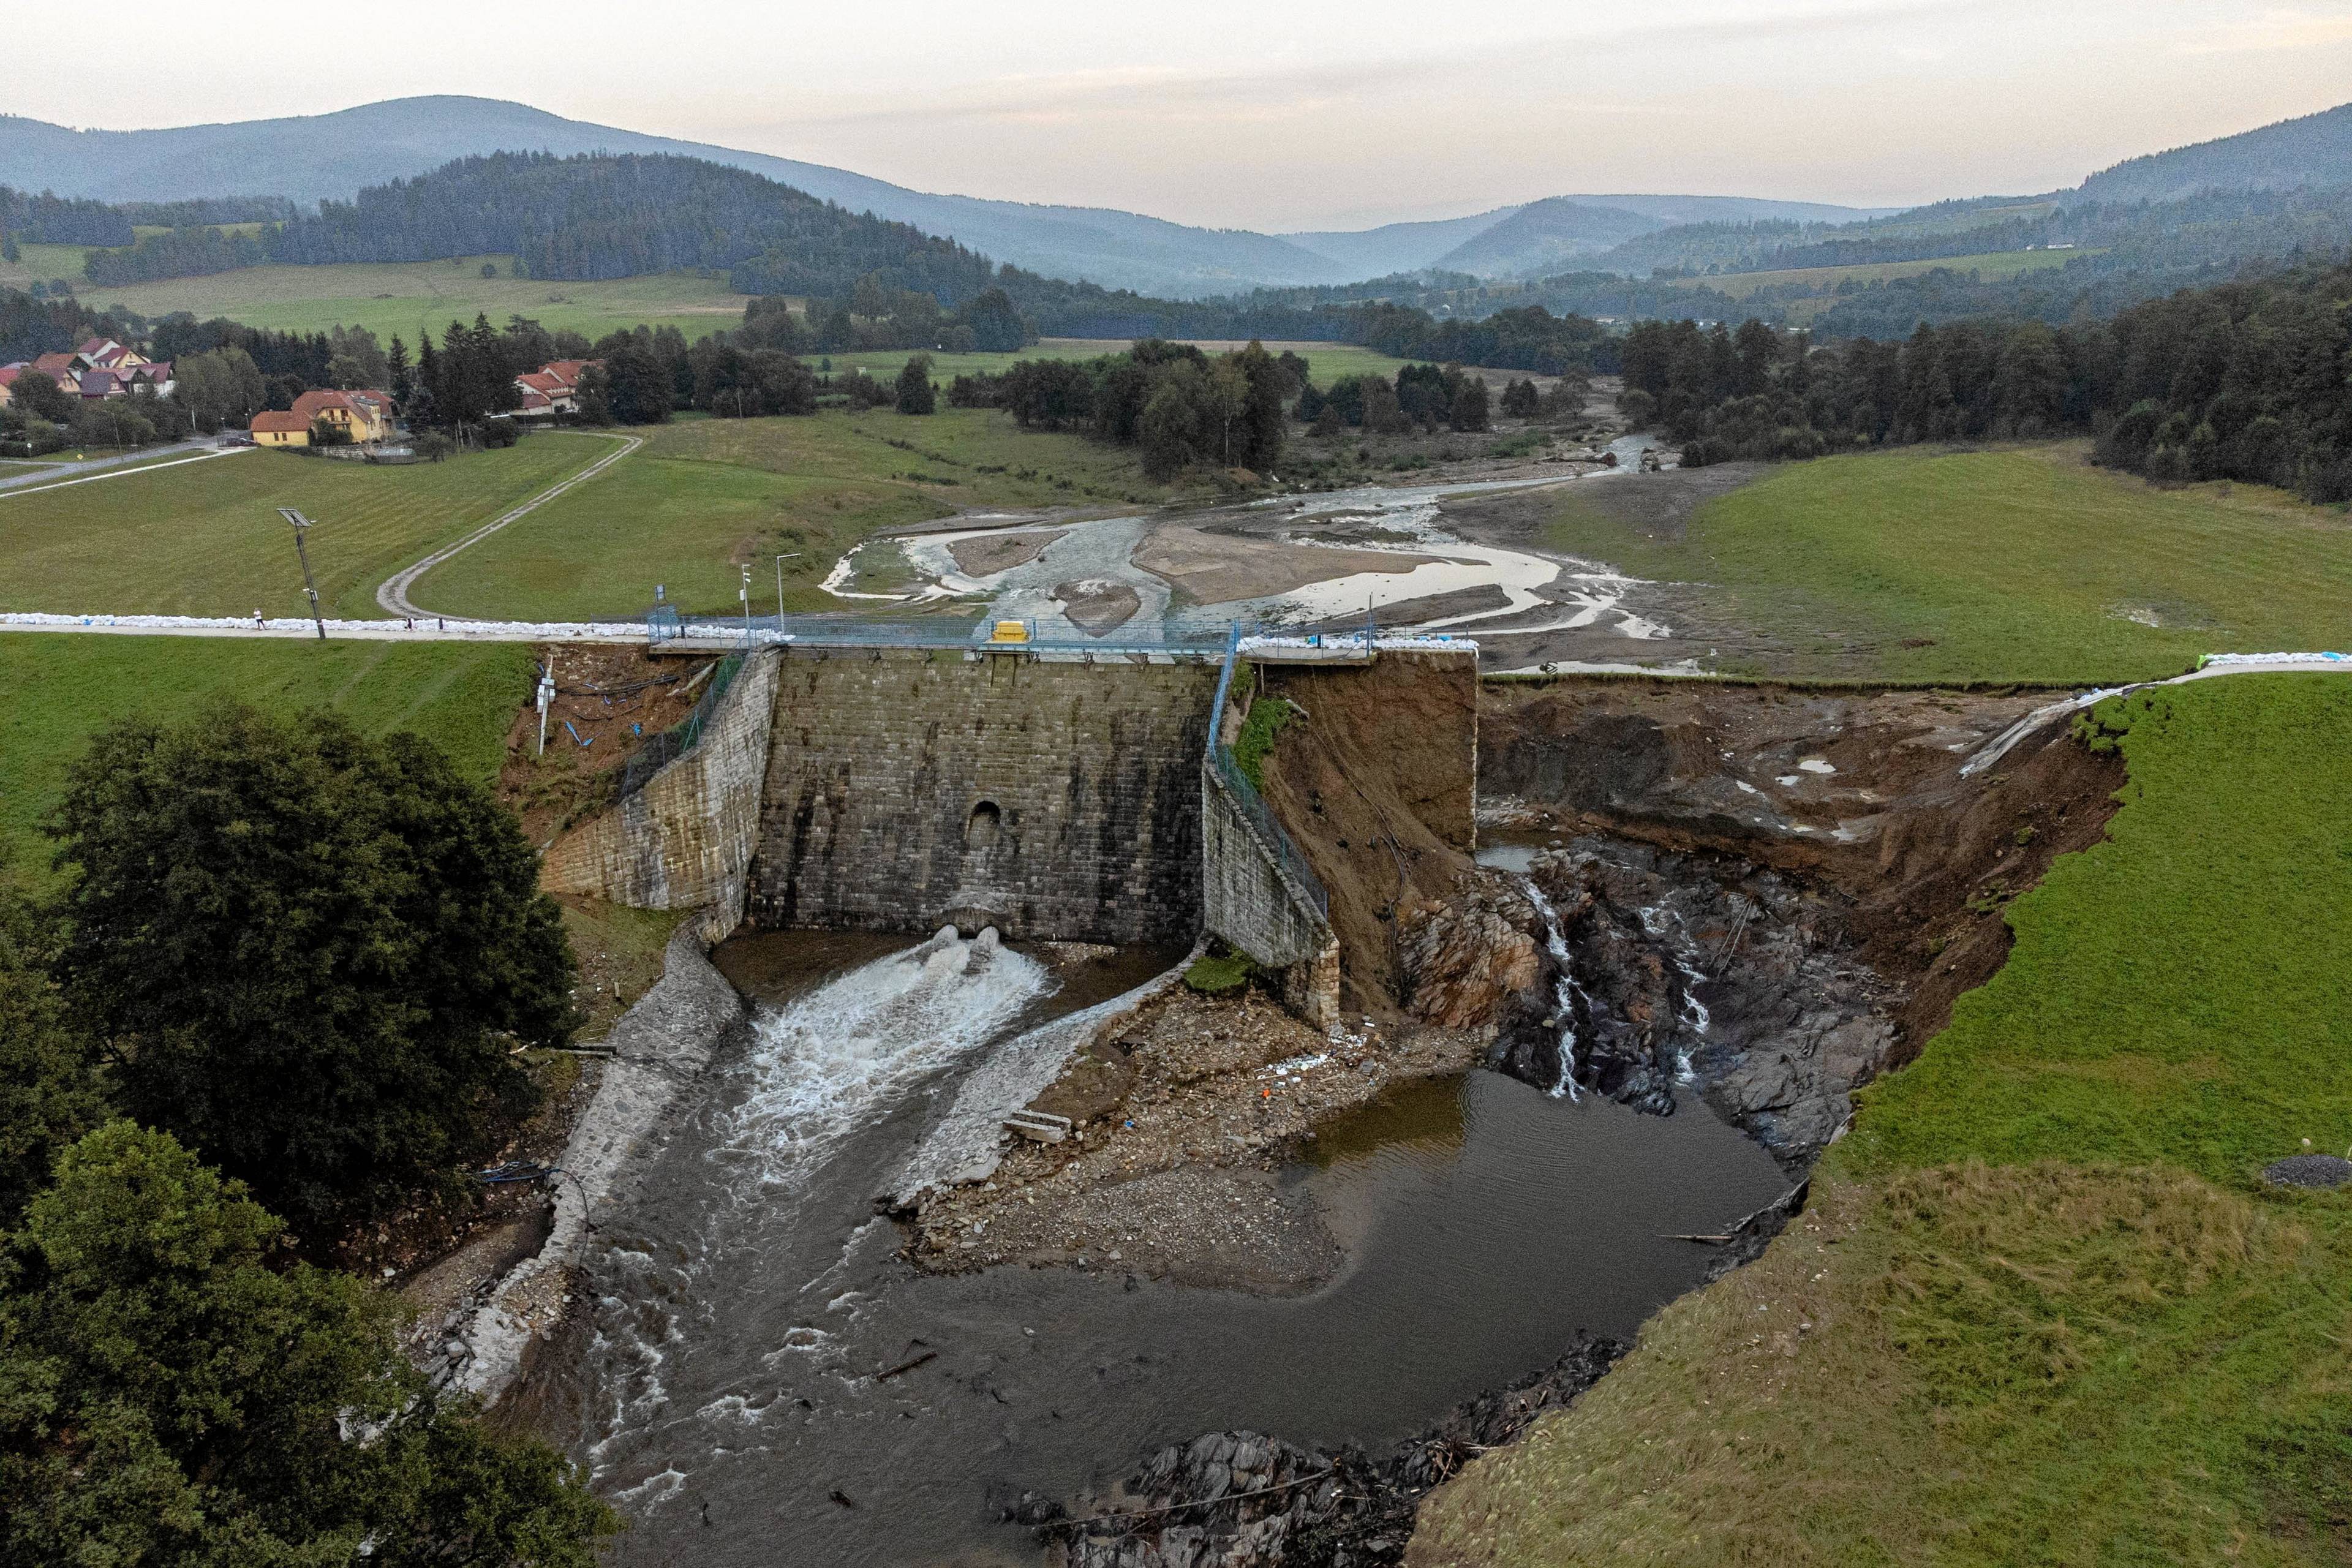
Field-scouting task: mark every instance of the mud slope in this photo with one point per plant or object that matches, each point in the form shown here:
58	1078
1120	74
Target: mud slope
1859	796
1374	780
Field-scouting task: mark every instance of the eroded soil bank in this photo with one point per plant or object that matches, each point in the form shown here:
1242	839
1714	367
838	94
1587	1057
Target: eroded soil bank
1755	898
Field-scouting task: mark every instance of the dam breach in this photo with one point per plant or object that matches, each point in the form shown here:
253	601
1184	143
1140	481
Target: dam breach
1063	799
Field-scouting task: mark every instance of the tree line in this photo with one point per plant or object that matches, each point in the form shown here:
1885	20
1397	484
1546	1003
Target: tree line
2246	380
48	219
275	1002
1180	407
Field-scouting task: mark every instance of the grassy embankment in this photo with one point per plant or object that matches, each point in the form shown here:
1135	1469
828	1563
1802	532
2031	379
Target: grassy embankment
206	537
702	498
2022	563
58	689
2041	1308
707	497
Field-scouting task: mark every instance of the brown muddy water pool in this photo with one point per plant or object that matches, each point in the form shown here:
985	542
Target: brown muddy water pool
729	1397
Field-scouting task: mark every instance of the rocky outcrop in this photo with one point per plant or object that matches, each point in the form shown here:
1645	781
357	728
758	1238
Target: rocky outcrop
1705	971
1241	1499
1462	963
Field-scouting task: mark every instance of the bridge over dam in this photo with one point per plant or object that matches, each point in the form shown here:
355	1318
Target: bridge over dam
1054	794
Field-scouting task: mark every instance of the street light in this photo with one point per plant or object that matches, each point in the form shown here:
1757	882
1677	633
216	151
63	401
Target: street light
301	522
744	594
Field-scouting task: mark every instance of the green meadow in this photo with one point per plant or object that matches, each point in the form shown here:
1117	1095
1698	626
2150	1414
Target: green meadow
407	298
205	538
58	689
707	497
2020	563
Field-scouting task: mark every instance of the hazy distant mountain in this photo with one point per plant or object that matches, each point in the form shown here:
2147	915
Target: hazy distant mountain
1546	237
1396	247
2315	150
336	154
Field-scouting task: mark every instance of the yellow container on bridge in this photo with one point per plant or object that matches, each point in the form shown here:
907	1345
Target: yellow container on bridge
1014	632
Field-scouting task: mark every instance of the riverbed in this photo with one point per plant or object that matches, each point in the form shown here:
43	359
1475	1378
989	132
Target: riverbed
764	1380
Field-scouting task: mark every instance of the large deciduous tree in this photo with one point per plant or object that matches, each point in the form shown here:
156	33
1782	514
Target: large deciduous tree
169	1396
308	953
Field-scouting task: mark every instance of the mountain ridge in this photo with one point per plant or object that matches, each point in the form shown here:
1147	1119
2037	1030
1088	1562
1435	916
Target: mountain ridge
336	154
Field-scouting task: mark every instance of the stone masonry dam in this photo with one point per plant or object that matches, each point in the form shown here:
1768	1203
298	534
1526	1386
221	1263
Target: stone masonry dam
1056	799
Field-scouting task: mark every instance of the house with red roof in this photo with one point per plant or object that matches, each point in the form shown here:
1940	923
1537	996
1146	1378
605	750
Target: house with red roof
552	389
281	427
364	415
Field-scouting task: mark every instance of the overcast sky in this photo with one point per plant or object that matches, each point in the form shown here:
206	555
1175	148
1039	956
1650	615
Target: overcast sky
1278	113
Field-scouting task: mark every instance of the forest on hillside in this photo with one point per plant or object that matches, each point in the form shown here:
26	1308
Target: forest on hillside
2243	381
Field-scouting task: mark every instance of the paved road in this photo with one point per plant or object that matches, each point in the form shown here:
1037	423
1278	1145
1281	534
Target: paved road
393	594
51	476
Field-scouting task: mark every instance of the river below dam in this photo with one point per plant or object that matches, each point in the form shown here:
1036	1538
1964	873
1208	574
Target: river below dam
763	1379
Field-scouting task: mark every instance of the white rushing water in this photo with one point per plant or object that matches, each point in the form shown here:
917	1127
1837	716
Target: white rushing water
823	1063
1565	992
1655	921
819	1071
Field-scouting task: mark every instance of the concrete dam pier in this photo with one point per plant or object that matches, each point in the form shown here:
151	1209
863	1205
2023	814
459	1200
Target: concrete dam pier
901	790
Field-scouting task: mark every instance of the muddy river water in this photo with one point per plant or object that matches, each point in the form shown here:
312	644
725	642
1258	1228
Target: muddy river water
730	1398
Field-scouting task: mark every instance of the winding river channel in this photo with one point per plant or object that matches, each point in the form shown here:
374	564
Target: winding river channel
730	1395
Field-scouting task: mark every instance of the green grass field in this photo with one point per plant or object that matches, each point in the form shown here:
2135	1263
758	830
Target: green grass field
45	263
708	496
2040	1307
206	537
1992	265
1326	362
58	689
403	297
2022	563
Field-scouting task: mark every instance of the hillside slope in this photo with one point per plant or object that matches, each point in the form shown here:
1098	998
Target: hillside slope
2315	150
335	155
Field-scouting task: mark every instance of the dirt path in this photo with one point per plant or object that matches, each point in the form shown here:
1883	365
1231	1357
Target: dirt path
393	594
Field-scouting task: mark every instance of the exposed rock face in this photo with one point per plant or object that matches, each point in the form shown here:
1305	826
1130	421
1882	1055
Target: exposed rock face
1240	1499
1705	970
1462	963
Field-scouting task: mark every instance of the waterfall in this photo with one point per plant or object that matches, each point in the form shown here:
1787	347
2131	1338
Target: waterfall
1654	921
1565	991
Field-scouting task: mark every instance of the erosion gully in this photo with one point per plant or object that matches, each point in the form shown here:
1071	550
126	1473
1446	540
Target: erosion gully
730	1398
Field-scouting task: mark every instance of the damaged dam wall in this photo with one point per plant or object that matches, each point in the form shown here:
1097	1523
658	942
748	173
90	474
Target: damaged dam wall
1055	799
907	789
684	841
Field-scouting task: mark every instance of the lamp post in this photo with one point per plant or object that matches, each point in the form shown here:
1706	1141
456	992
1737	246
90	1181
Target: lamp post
310	587
744	594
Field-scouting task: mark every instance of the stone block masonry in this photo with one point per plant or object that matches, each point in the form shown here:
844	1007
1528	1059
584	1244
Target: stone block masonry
684	841
1263	910
907	789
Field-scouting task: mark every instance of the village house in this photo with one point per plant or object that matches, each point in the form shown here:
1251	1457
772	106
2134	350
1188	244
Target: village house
281	427
552	389
120	380
363	416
